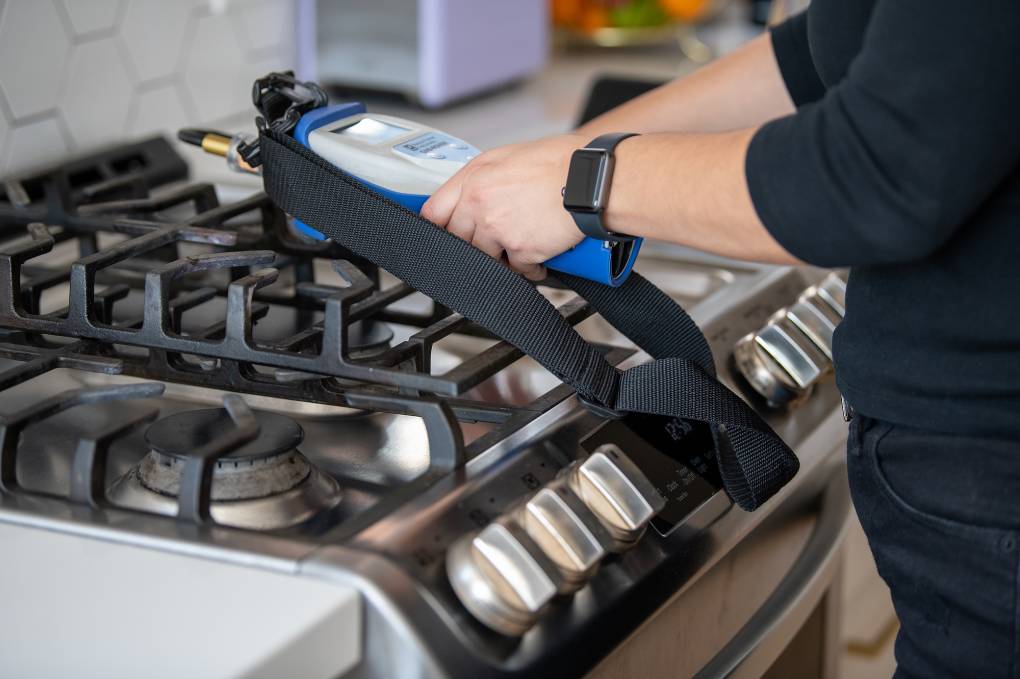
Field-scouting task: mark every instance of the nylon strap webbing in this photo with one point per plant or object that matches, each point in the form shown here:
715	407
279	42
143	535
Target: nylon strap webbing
680	382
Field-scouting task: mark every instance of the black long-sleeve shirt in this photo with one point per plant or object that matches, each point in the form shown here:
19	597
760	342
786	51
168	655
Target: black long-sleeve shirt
903	162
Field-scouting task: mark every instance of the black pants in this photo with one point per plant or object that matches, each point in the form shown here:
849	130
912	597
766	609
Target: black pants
942	516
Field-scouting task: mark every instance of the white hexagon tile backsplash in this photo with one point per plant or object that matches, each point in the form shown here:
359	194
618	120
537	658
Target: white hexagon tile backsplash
76	75
34	50
87	17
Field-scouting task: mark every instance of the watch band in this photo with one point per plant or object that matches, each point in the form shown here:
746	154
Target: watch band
608	142
590	223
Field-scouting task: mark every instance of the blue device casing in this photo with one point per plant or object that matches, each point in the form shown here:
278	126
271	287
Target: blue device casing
592	259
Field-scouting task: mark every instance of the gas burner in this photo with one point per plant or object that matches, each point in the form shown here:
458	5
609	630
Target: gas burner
264	485
368	338
266	466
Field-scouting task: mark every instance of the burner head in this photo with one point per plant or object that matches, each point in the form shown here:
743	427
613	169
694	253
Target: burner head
179	434
267	465
265	484
368	338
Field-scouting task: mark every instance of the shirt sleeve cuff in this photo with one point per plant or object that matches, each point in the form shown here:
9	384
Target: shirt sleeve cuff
793	54
774	194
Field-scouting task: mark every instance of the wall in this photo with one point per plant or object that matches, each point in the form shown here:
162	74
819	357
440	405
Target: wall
76	75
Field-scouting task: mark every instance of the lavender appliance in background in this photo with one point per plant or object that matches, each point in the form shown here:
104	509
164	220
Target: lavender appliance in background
433	51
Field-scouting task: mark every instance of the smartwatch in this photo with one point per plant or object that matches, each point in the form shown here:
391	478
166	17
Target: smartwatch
587	189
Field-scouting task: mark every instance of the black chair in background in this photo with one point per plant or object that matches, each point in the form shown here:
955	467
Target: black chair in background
608	92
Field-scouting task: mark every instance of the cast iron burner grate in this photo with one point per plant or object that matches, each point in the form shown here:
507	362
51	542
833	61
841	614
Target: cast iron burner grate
149	251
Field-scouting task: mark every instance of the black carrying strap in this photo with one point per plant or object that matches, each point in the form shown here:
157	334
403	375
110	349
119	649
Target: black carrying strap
680	382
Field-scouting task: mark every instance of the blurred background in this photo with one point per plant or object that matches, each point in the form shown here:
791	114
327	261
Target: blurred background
76	75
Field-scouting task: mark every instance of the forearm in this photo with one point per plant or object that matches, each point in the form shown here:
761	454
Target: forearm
740	90
690	189
674	186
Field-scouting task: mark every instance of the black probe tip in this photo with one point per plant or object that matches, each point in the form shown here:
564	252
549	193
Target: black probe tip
194	135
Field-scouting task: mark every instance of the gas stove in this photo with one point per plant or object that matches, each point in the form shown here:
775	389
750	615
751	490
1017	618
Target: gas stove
213	424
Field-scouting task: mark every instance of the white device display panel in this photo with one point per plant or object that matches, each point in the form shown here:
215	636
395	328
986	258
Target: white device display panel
392	153
372	131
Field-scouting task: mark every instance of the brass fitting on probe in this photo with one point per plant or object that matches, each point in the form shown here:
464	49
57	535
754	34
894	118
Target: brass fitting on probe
219	144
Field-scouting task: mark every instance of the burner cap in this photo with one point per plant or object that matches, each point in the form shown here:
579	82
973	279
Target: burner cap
265	485
179	434
367	338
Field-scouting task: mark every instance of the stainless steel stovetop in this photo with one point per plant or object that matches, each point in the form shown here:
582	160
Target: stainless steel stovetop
213	425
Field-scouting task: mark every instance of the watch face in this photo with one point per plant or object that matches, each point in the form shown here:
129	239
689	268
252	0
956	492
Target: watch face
584	180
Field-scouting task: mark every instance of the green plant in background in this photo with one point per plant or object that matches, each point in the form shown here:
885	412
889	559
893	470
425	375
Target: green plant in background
638	13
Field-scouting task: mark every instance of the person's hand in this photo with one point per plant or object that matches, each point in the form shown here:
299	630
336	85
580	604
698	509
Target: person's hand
508	201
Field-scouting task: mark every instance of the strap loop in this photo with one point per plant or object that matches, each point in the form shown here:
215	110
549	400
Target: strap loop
601	410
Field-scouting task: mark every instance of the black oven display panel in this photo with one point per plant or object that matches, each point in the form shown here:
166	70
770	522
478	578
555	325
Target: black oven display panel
677	456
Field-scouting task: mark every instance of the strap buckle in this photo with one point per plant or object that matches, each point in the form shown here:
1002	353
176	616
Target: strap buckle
281	100
601	410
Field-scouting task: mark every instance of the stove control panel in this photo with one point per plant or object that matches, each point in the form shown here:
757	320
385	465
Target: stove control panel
785	359
507	573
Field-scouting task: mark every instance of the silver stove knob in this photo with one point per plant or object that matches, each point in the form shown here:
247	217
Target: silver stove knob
564	529
780	361
812	317
617	493
833	291
501	577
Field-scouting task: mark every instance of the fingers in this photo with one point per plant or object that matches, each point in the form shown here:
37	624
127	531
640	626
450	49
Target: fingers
440	207
461	223
530	270
480	204
463	226
485	242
